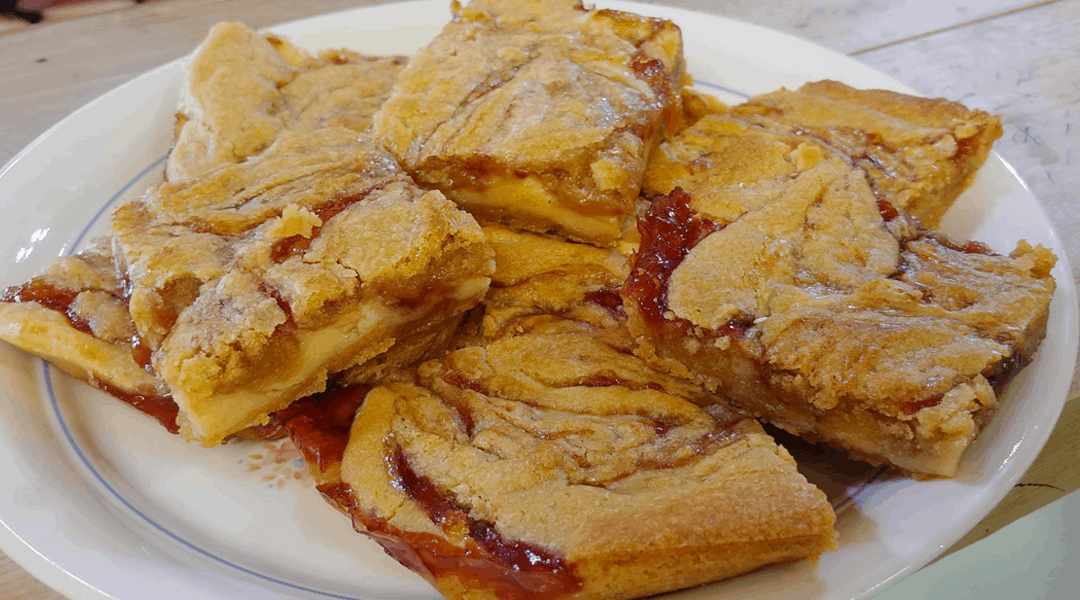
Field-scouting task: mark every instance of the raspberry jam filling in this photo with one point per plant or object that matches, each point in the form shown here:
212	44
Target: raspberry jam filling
668	232
319	425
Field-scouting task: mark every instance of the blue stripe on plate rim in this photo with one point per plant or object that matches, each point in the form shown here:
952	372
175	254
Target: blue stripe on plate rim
47	373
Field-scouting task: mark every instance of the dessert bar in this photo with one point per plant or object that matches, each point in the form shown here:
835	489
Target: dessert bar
74	315
779	279
538	115
254	282
541	459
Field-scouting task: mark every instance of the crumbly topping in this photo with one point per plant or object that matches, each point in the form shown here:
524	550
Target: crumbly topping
244	88
575	98
918	153
226	269
818	229
537	423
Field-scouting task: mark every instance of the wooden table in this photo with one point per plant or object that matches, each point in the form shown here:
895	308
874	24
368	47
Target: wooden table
1016	58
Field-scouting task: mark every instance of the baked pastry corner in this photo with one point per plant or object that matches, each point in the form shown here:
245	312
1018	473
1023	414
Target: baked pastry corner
919	154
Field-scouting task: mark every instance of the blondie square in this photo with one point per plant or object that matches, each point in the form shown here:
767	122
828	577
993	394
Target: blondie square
779	279
540	115
541	458
254	282
550	465
74	315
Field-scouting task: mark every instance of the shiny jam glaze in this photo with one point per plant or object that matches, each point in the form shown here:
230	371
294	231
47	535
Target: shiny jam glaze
432	557
512	570
48	296
668	232
319	424
887	210
609	299
162	408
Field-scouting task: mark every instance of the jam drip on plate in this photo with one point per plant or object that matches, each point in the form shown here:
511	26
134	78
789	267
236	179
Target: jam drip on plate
319	424
162	408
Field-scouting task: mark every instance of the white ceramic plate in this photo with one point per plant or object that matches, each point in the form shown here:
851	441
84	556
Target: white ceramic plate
99	502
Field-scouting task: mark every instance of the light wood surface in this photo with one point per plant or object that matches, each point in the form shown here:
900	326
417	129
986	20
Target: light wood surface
1016	58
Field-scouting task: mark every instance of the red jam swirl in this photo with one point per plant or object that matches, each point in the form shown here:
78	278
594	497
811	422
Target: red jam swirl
459	381
668	232
887	210
601	380
965	248
162	408
513	570
913	406
50	297
298	244
319	424
609	299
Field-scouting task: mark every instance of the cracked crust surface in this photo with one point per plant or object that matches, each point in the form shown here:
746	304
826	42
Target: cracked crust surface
255	281
918	154
810	302
244	88
538	115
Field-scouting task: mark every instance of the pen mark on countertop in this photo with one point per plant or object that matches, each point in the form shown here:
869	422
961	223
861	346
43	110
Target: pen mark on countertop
1046	485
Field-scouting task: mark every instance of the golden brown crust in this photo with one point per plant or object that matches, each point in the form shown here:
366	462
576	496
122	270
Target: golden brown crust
918	153
306	259
538	115
244	88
